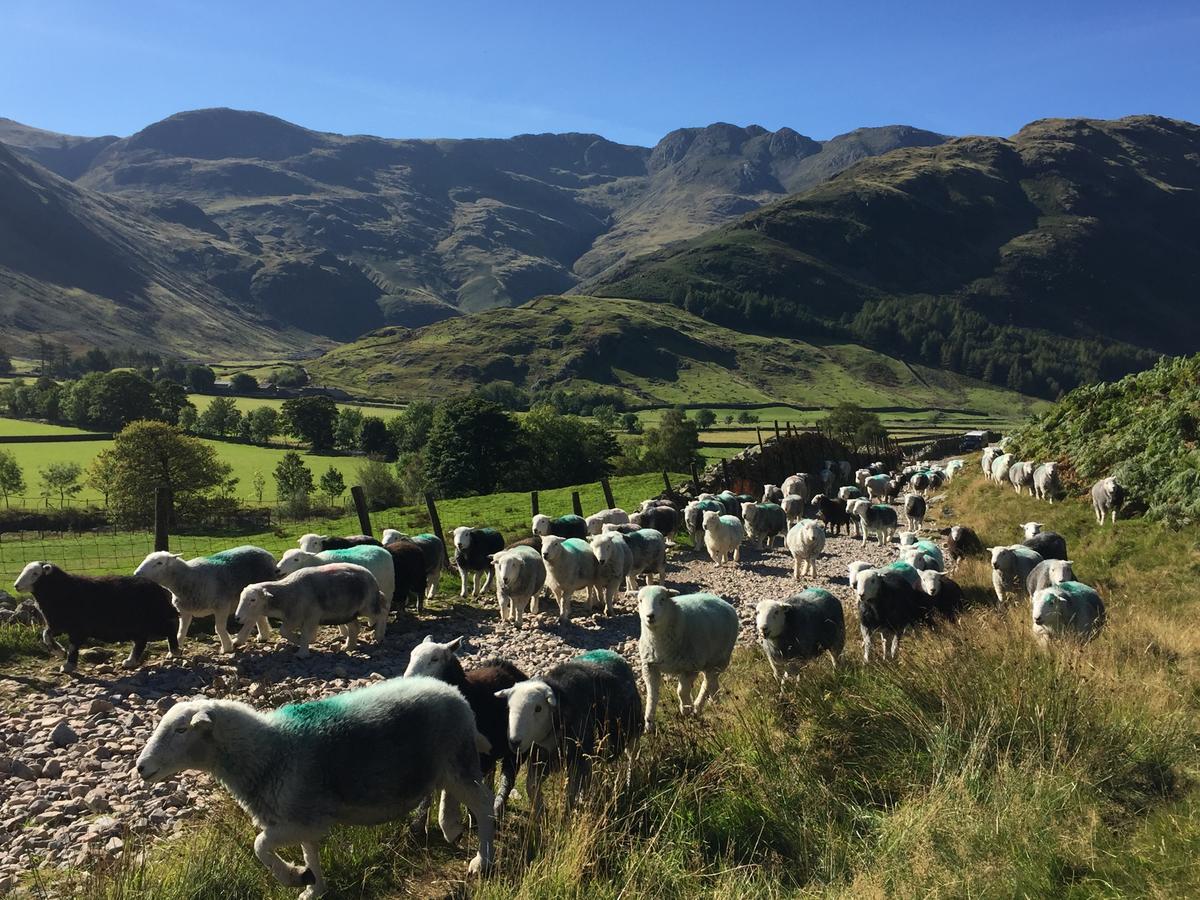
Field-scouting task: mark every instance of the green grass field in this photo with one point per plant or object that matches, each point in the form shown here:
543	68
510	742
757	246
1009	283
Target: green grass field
10	427
245	404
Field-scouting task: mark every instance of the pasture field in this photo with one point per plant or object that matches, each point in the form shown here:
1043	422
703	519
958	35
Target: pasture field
975	765
10	427
245	404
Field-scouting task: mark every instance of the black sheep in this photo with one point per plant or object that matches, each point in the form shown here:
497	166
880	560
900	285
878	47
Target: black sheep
1050	544
889	601
473	552
409	561
317	543
961	542
660	518
106	608
832	511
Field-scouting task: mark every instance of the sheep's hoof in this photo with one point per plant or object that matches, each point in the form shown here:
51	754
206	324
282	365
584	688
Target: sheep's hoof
66	668
649	729
130	663
478	867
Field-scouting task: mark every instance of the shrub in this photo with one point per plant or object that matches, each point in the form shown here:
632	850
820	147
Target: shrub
380	484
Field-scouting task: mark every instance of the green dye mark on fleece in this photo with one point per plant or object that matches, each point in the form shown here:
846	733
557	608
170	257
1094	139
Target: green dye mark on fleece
600	657
313	714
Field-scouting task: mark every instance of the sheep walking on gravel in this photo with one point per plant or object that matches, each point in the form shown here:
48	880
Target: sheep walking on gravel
570	566
805	540
723	537
211	586
597	521
106	608
364	757
915	508
684	636
693	518
1108	496
648	550
879	519
797	486
663	519
1068	609
520	577
763	522
375	560
614	560
473	550
800	628
433	552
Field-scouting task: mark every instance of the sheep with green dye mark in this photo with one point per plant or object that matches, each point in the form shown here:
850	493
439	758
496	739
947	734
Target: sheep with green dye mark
1048	573
684	636
570	526
360	758
805	540
596	521
614	560
375	560
211	586
693	517
922	555
763	522
800	628
570	566
318	543
648	551
1069	609
723	537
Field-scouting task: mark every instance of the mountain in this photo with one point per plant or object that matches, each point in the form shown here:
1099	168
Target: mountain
422	230
652	353
1064	254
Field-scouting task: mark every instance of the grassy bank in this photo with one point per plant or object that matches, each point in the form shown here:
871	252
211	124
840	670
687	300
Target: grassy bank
976	765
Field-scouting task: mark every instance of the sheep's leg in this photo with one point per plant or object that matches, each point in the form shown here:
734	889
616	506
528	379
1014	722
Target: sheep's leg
381	627
653	680
796	568
1114	516
351	635
462	574
737	553
832	657
312	876
487	579
564	605
687	682
478	799
135	654
450	818
776	673
578	777
185	622
508	777
307	635
285	873
998	586
895	645
419	827
173	645
709	689
73	645
222	630
866	642
54	646
264	629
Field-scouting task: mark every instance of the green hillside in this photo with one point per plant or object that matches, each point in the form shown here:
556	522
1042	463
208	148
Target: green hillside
654	353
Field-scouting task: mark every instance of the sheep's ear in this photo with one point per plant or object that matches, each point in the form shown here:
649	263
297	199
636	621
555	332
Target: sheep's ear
551	700
504	694
1069	562
46	567
177	555
428	639
939	573
456	643
202	721
671	592
267	594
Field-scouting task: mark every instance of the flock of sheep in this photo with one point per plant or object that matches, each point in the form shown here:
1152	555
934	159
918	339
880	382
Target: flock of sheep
373	754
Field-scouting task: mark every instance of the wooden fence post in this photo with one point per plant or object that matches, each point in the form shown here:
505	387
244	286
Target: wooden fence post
576	504
667	485
360	506
725	472
777	430
436	522
162	518
608	494
533	503
760	443
695	476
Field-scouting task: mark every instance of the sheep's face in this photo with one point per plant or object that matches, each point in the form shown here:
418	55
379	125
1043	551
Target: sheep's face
906	538
432	659
858	507
252	603
183	740
931	581
30	574
711	521
311	543
770	619
507	569
1000	556
869	584
637	519
605	547
390	536
294	561
655	603
1060	570
749	512
1031	529
957	533
157	564
1049	610
530	714
541	525
552	548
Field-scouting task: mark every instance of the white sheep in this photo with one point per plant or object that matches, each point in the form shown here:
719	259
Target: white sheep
520	577
723	537
1068	609
570	566
805	540
614	561
597	521
684	636
363	757
375	560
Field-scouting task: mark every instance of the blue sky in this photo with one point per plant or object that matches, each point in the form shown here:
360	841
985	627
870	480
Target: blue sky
629	71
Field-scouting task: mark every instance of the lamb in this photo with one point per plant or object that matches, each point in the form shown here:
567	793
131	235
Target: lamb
1011	567
723	537
889	603
520	577
805	540
363	757
479	687
948	598
1047	573
923	555
832	512
915	508
570	526
797	486
772	493
987	458
107	608
375	560
1046	484
961	542
649	555
763	522
1000	466
880	520
473	547
693	518
433	549
877	487
802	627
319	543
614	560
586	707
856	509
1069	609
410	562
596	521
793	508
1020	475
861	476
663	519
1108	496
329	594
684	636
211	586
570	566
1050	544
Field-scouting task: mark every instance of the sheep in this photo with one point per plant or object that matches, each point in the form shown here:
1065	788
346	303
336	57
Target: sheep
657	501
1031	528
832	512
849	492
614	560
923	555
410	561
1020	476
915	508
797	486
793	509
952	468
855	510
987	457
793	631
961	542
772	493
1050	544
664	519
363	757
649	556
479	687
211	586
586	707
1011	567
763	522
889	602
948	598
473	547
627	528
827	480
319	543
1108	496
1046	484
1047	573
596	521
684	636
1000	466
877	487
723	537
879	519
328	594
693	518
569	567
731	502
106	608
1068	609
805	540
520	577
569	526
861	476
906	538
375	560
433	550
918	481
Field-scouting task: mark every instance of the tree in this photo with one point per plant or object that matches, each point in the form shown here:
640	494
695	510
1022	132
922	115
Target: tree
290	376
95	360
12	479
606	416
220	418
705	418
243	383
853	426
263	423
171	401
293	481
470	447
311	419
62	479
410	429
332	484
5	362
149	455
109	400
745	417
380	484
558	450
259	480
171	370
101	474
729	418
674	445
410	473
200	378
347	428
187	418
631	423
374	440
